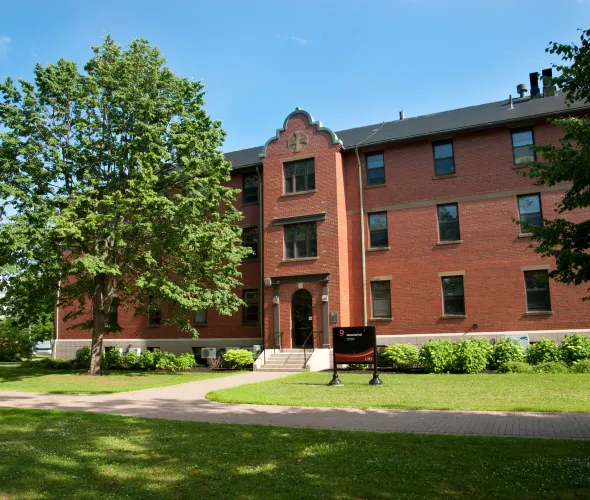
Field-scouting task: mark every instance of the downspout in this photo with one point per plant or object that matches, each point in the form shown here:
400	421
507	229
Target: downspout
260	257
56	326
362	205
362	210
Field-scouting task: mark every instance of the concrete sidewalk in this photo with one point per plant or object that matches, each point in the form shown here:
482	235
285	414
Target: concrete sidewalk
188	402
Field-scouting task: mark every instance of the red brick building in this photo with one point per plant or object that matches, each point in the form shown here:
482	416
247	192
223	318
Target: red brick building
441	254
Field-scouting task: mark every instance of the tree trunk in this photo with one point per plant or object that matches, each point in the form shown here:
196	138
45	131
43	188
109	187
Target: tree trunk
101	303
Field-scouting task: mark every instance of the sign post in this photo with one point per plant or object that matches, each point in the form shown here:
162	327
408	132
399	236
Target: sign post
356	344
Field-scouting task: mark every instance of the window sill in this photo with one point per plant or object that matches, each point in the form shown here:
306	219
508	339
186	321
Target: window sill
250	204
538	313
454	316
519	167
296	193
381	319
377	249
525	235
371	186
301	259
453	242
446	176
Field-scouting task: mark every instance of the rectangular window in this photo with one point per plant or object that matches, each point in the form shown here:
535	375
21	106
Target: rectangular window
250	188
201	316
155	312
448	222
381	294
529	210
522	146
113	318
250	239
444	159
375	169
453	296
250	310
378	229
153	349
537	290
299	175
300	240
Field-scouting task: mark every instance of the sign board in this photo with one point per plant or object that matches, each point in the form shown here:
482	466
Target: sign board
355	344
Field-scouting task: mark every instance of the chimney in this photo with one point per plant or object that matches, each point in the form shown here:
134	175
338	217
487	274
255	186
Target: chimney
522	89
534	77
402	115
548	88
511	103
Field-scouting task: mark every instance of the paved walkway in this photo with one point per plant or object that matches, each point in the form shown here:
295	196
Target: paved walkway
188	402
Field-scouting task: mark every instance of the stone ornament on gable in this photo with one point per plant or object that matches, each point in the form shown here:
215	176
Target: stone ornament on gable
298	141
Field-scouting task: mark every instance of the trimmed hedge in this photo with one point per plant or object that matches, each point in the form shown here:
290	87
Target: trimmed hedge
238	359
545	350
515	367
575	348
507	350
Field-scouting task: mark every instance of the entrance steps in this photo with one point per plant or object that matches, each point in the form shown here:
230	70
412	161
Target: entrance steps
287	360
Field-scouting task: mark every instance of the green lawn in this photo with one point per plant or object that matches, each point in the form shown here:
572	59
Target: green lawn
51	454
524	392
78	382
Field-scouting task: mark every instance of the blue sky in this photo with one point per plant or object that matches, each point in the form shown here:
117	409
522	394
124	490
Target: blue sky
349	63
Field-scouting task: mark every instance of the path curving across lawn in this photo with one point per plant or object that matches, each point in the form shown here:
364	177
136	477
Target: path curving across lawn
14	378
509	392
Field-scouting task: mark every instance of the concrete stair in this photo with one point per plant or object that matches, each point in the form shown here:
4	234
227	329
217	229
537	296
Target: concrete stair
288	360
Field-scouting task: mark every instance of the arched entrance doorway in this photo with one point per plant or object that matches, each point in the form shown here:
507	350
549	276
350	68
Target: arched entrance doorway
302	322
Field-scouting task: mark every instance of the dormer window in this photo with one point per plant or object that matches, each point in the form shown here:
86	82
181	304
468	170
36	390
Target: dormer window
299	176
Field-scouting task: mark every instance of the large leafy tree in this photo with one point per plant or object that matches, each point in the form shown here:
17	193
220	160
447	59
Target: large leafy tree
115	180
569	162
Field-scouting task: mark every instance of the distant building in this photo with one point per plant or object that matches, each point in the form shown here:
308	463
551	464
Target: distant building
442	255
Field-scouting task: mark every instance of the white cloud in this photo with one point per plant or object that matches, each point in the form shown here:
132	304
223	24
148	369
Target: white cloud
300	41
4	44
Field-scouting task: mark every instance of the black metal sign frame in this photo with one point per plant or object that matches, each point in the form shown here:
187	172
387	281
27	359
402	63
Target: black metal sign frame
355	344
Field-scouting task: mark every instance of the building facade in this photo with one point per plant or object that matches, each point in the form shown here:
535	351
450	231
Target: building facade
407	225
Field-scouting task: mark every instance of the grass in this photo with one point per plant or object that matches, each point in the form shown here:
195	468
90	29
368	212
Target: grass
510	392
53	454
78	382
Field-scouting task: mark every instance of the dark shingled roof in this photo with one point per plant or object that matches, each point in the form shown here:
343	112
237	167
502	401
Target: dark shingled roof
472	117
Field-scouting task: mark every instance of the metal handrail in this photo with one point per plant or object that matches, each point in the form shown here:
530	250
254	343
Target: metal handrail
312	333
274	343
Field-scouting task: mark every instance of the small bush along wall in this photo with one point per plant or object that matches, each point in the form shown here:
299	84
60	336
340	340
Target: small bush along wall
545	350
238	359
402	356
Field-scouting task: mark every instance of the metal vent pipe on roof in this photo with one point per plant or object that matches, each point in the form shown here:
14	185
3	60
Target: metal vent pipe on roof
402	115
534	78
522	89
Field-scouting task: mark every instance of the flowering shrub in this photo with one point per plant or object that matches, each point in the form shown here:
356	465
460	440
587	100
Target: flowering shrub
402	356
436	356
574	348
543	351
469	356
507	350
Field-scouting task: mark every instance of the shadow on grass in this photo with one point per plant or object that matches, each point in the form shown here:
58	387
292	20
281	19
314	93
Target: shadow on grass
74	455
